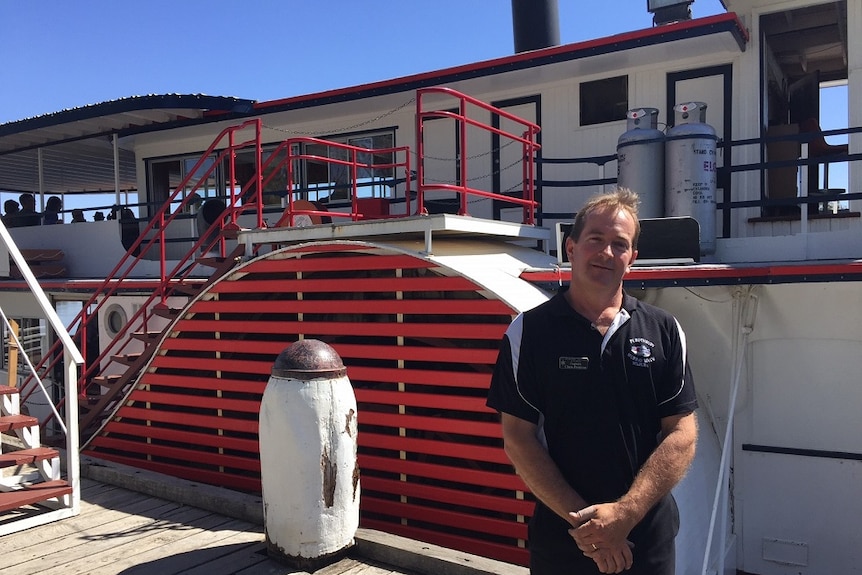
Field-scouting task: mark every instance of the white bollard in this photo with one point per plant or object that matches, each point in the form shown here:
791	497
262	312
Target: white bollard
309	469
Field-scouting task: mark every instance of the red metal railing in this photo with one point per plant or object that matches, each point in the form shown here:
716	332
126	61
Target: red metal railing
463	121
154	236
294	148
249	197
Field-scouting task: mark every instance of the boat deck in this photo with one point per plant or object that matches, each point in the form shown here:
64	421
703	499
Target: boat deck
124	531
413	227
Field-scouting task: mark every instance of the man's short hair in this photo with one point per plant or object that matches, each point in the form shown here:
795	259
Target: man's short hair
620	199
27	200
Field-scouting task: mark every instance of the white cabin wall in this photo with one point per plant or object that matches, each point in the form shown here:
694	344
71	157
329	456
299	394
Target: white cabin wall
798	513
706	316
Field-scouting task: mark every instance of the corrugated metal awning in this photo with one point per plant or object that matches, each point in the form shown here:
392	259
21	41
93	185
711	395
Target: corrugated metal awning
77	148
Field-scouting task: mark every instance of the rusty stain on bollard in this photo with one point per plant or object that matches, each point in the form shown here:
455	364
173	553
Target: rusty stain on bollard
347	427
330	477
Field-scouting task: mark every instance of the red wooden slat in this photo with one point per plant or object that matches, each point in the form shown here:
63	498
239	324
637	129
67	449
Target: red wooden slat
207	383
443	472
447	496
442	378
263	367
426	514
489	331
341	264
198	401
358	306
182	454
348	285
223	479
189	419
499	551
416	445
145	432
413	353
470	404
214	345
346	351
438	424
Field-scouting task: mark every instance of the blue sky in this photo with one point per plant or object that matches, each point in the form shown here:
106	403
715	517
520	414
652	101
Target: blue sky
59	54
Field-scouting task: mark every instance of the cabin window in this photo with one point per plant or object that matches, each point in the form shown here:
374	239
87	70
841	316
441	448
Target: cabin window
166	175
32	335
329	178
604	100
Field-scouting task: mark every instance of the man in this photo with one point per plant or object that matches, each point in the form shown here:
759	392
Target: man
10	215
597	409
28	216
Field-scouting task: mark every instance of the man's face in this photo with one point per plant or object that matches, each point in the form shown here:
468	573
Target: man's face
603	252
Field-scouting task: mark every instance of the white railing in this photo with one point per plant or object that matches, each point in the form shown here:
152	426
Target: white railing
72	359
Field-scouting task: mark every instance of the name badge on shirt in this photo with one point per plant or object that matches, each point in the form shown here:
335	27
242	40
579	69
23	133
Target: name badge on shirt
579	363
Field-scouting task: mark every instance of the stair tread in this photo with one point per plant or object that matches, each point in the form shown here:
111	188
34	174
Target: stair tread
126	359
10	422
26	456
6	390
30	494
166	312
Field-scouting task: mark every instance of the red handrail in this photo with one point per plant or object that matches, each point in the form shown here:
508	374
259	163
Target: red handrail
527	140
353	165
159	222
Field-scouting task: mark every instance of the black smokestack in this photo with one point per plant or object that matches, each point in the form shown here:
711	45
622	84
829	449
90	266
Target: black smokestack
535	24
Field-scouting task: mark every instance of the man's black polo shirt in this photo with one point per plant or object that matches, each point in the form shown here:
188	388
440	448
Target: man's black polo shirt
598	404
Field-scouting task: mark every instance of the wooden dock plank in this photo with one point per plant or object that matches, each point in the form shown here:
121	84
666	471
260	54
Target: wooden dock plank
187	539
91	518
116	547
38	559
128	532
208	540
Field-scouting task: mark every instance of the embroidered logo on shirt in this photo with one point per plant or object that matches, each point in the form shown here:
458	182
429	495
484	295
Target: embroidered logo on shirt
580	363
640	352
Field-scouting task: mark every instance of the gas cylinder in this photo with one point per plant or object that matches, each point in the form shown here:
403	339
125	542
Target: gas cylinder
690	170
640	160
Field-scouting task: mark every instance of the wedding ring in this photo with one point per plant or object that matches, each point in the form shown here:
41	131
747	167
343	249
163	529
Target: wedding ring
594	547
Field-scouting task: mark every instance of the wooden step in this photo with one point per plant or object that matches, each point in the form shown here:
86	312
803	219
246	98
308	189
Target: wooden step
27	456
126	359
6	390
187	289
11	422
147	336
212	261
30	494
106	380
166	312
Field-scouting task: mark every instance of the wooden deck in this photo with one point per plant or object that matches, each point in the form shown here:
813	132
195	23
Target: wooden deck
122	531
138	521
